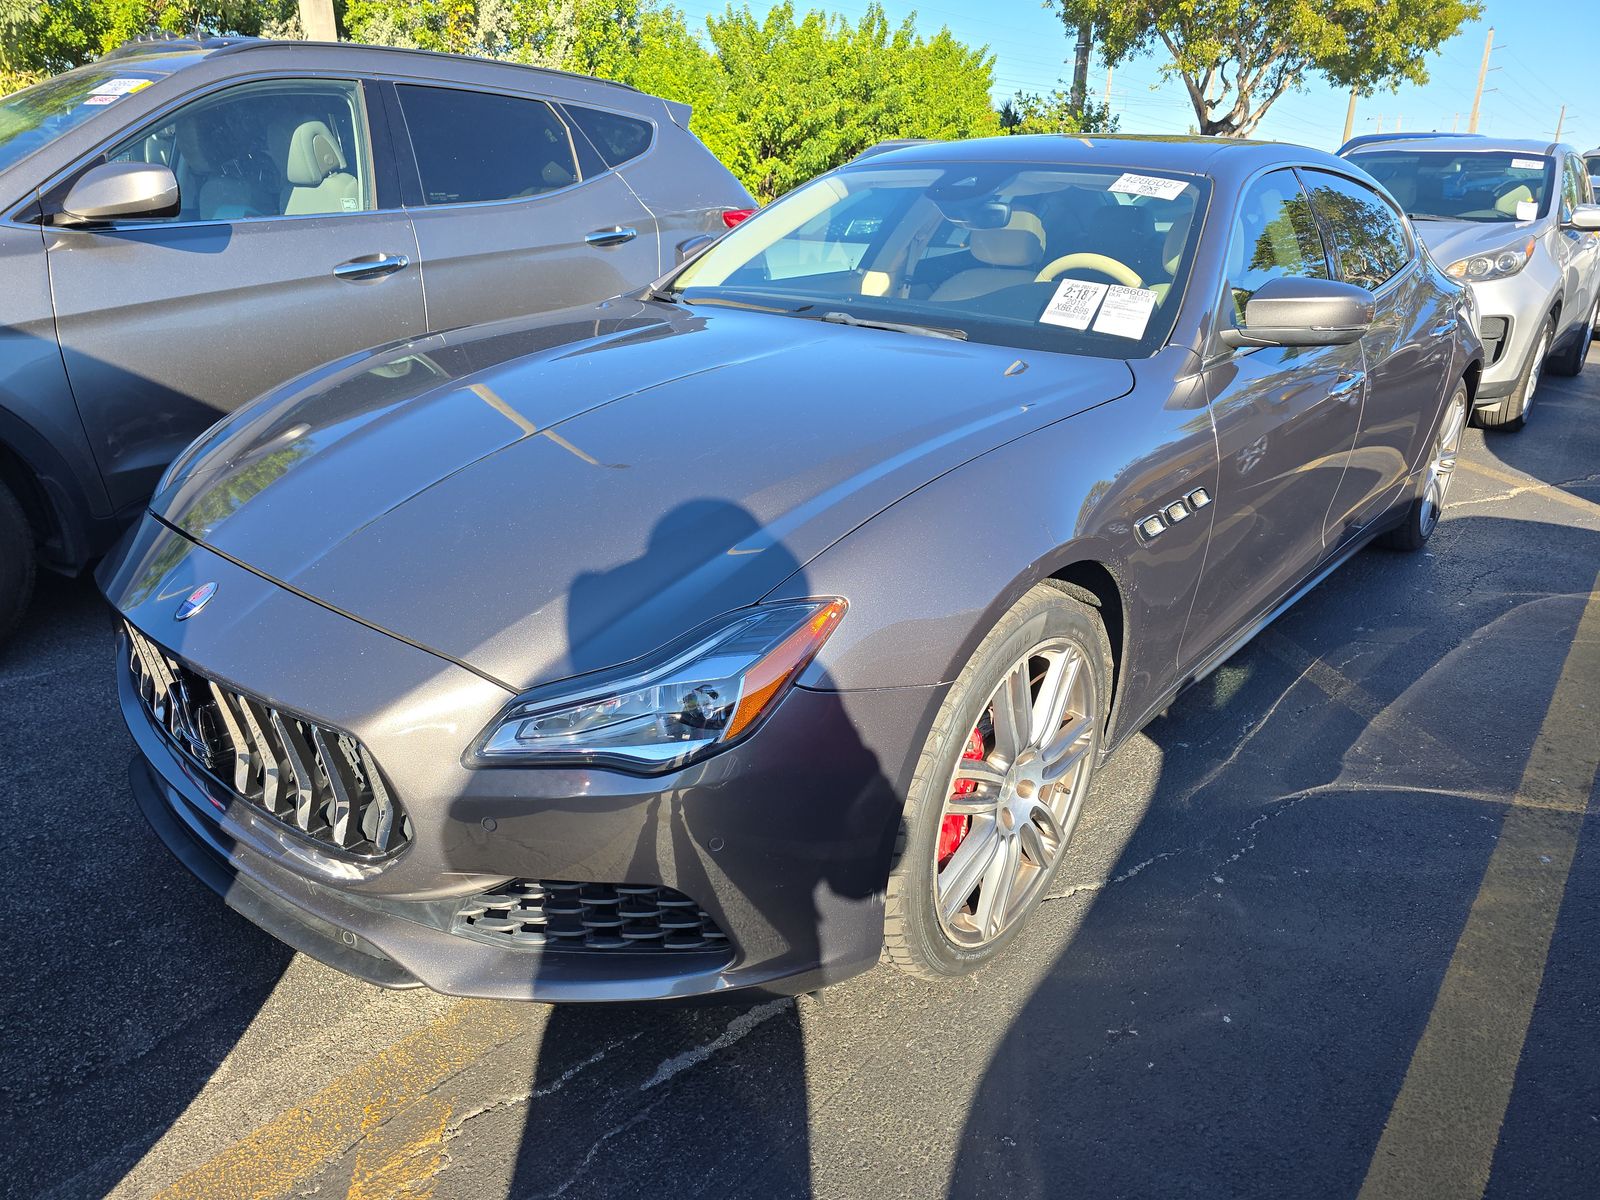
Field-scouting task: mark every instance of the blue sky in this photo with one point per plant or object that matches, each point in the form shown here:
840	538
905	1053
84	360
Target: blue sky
1543	53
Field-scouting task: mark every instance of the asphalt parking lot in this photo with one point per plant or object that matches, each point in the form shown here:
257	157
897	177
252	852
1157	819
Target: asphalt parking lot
1329	929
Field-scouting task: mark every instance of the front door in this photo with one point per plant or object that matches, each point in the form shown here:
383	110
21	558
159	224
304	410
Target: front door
1285	421
279	259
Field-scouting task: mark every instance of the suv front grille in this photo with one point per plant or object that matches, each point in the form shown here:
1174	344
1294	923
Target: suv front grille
315	780
589	916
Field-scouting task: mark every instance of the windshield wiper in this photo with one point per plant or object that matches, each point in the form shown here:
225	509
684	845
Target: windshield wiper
842	318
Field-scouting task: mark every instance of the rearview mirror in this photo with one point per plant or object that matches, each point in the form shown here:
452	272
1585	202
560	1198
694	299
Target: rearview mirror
1585	217
1303	312
122	189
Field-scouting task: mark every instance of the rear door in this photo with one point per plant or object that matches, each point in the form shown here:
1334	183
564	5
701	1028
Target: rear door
1582	248
506	220
1285	421
289	249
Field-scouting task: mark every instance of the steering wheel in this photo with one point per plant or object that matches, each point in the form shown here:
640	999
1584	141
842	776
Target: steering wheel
1101	263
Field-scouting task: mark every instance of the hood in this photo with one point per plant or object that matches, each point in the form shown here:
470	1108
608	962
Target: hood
1451	241
541	498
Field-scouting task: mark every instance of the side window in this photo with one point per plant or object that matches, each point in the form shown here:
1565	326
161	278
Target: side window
284	148
480	146
618	138
1368	236
1275	236
1574	188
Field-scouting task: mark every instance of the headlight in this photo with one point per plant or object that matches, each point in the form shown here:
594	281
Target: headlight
1498	265
705	696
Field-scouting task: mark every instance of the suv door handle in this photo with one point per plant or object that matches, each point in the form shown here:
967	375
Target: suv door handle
1348	386
372	266
1443	327
614	236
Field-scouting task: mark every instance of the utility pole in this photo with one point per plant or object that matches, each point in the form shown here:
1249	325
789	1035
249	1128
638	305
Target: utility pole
1455	123
1349	117
316	21
1560	121
1080	69
1483	73
1108	91
1380	122
1398	117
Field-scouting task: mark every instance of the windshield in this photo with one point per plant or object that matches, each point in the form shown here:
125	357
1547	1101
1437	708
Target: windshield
1455	185
1591	163
37	115
1083	260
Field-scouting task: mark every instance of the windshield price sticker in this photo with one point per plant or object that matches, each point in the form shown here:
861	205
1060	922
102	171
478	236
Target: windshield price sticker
101	99
118	87
1126	312
1148	185
1073	304
1527	164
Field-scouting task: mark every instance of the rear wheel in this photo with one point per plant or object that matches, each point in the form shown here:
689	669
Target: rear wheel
1511	413
1570	361
16	563
999	787
1422	518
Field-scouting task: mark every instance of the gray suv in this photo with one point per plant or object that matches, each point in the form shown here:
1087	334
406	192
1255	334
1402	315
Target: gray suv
186	224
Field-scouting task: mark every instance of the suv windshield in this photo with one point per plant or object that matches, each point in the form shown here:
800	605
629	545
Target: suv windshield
1082	260
37	115
1457	185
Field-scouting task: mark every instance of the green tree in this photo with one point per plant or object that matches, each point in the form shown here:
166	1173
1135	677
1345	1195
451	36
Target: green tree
1237	58
1029	112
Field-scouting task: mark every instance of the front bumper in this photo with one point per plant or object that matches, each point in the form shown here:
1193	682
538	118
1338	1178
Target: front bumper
784	841
1516	308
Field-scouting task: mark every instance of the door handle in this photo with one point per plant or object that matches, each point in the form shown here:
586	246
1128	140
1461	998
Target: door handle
1348	386
614	236
1443	327
372	266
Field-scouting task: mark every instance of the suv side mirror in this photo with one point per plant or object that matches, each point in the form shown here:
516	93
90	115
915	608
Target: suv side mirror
121	189
1303	312
688	248
1585	217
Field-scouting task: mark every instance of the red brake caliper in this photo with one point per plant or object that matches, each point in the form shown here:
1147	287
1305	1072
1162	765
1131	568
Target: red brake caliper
954	827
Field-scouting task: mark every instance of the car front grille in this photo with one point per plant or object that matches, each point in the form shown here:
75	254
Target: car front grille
560	915
317	781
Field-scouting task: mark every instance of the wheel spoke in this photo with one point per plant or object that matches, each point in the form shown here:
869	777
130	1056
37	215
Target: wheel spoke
1067	748
966	868
980	771
1013	712
1047	826
998	882
1054	692
974	804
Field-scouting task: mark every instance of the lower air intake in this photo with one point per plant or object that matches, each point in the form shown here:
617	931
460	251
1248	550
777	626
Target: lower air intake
589	916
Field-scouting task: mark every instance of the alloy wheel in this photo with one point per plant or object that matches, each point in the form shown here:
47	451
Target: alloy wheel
1442	466
1015	794
1534	372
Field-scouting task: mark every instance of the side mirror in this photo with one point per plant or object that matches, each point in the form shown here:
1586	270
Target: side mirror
688	248
114	190
1585	217
1303	312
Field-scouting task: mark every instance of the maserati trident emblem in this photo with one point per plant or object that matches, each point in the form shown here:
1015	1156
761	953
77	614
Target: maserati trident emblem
196	600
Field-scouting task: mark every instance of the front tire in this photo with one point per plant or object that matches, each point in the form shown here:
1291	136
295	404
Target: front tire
17	563
999	787
1422	517
1511	413
1570	361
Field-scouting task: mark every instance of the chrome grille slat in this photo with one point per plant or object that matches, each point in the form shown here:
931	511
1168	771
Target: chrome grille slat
316	780
599	917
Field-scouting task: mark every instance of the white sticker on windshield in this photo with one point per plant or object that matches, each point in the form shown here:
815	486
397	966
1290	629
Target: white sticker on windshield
1125	312
1073	304
1527	210
1527	164
101	99
119	87
1148	185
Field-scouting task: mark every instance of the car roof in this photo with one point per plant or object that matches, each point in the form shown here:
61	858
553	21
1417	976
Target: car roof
1471	141
1191	154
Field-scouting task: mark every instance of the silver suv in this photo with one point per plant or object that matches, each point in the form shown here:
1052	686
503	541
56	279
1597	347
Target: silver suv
184	225
1517	220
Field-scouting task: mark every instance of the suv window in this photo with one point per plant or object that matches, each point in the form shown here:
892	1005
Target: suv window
479	146
285	148
1368	236
616	137
1275	236
1574	187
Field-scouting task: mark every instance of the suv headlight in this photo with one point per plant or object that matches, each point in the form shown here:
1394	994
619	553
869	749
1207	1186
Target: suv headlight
707	693
1501	263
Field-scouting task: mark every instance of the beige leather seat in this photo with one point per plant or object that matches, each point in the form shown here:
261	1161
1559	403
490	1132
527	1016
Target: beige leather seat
1507	204
316	169
207	195
1010	256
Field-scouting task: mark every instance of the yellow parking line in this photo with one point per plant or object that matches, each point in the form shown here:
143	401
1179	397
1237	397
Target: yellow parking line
1441	1134
392	1086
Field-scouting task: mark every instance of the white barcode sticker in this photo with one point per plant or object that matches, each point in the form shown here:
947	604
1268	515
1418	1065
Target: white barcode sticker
1528	164
118	87
1126	312
1148	185
1073	304
1527	210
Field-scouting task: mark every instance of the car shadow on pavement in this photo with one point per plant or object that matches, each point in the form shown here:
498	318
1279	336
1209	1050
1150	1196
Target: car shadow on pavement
1239	1021
127	981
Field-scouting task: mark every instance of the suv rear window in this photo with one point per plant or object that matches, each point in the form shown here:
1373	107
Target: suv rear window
478	146
616	137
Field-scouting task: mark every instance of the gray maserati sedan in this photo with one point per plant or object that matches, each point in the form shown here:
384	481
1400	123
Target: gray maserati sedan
745	631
